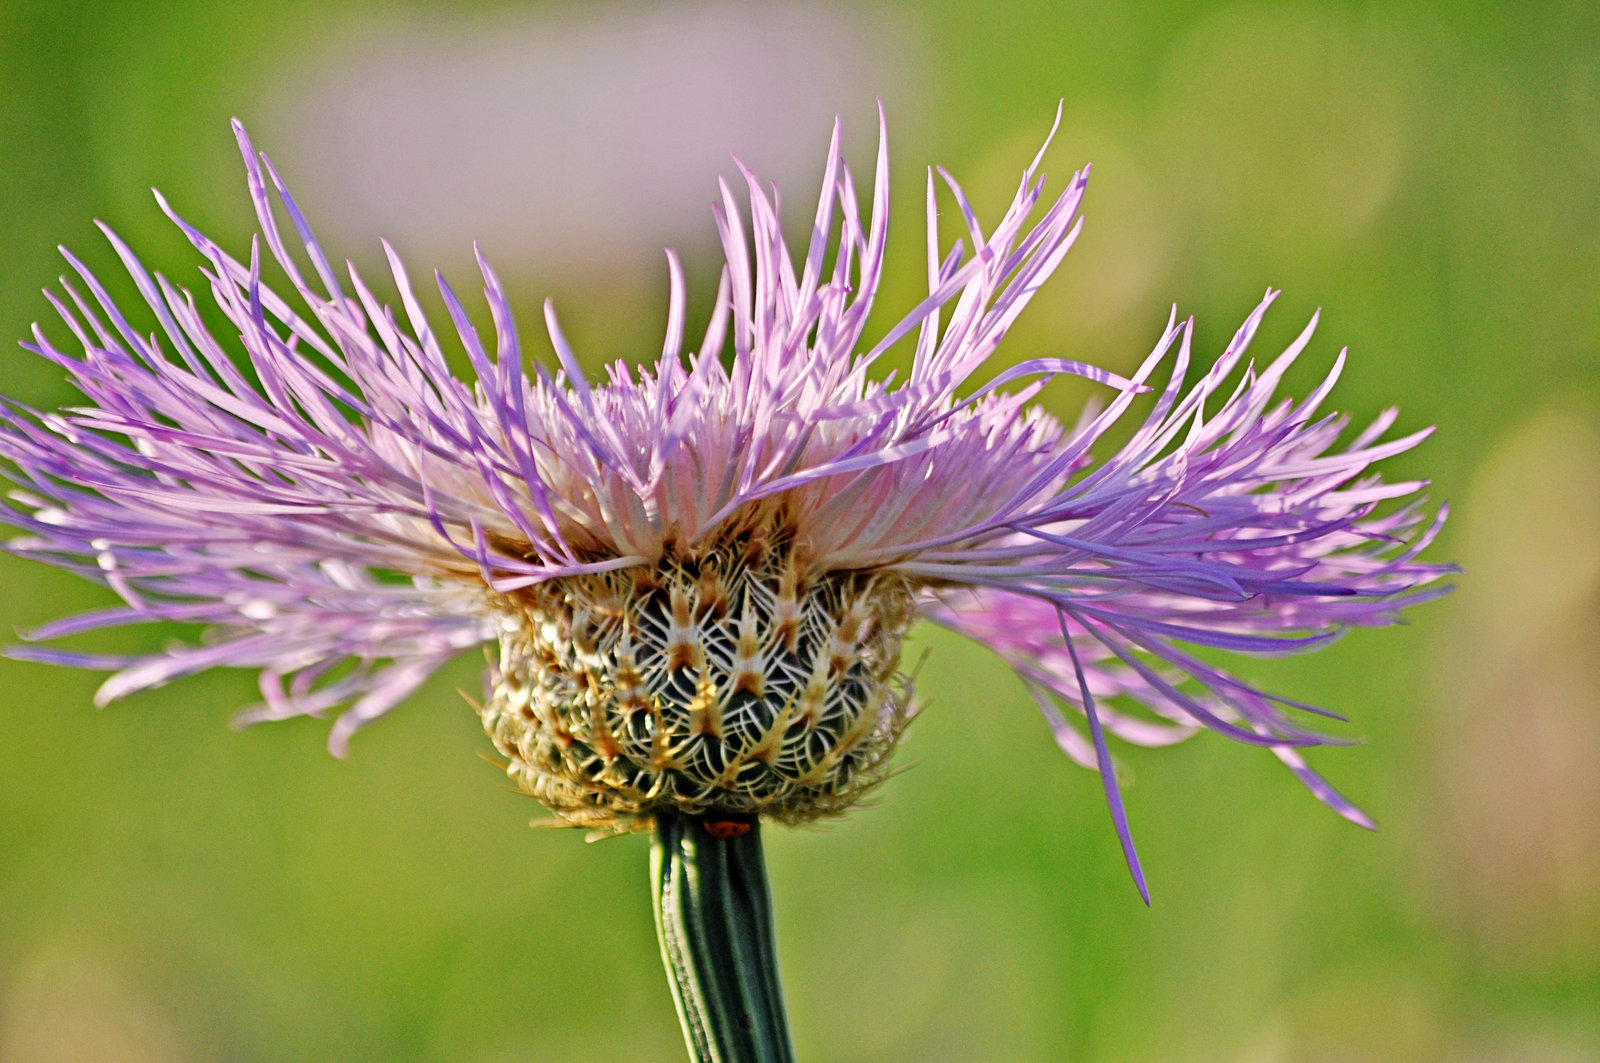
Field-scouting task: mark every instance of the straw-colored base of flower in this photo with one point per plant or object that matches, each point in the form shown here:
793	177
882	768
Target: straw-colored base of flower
718	682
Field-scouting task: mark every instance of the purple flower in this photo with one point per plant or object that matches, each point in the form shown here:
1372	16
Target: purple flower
700	574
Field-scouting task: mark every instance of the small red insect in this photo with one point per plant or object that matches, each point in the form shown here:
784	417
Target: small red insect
727	828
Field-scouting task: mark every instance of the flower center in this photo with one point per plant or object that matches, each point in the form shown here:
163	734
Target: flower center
724	682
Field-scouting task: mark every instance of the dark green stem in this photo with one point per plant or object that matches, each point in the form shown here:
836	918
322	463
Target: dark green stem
714	918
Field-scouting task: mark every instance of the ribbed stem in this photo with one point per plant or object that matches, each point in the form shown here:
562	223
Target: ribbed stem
714	918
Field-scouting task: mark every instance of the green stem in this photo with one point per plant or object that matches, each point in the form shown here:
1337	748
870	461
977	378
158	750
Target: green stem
714	918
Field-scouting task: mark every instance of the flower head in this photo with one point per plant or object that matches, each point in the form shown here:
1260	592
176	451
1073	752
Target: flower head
700	573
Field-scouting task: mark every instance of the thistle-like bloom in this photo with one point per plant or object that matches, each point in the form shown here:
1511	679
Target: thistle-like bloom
700	574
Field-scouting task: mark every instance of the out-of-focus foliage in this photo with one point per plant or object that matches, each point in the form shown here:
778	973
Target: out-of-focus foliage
1429	174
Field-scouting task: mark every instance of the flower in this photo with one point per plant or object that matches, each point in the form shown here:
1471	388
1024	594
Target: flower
700	574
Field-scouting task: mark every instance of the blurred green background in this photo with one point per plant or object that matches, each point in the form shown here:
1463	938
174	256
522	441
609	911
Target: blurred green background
1429	173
